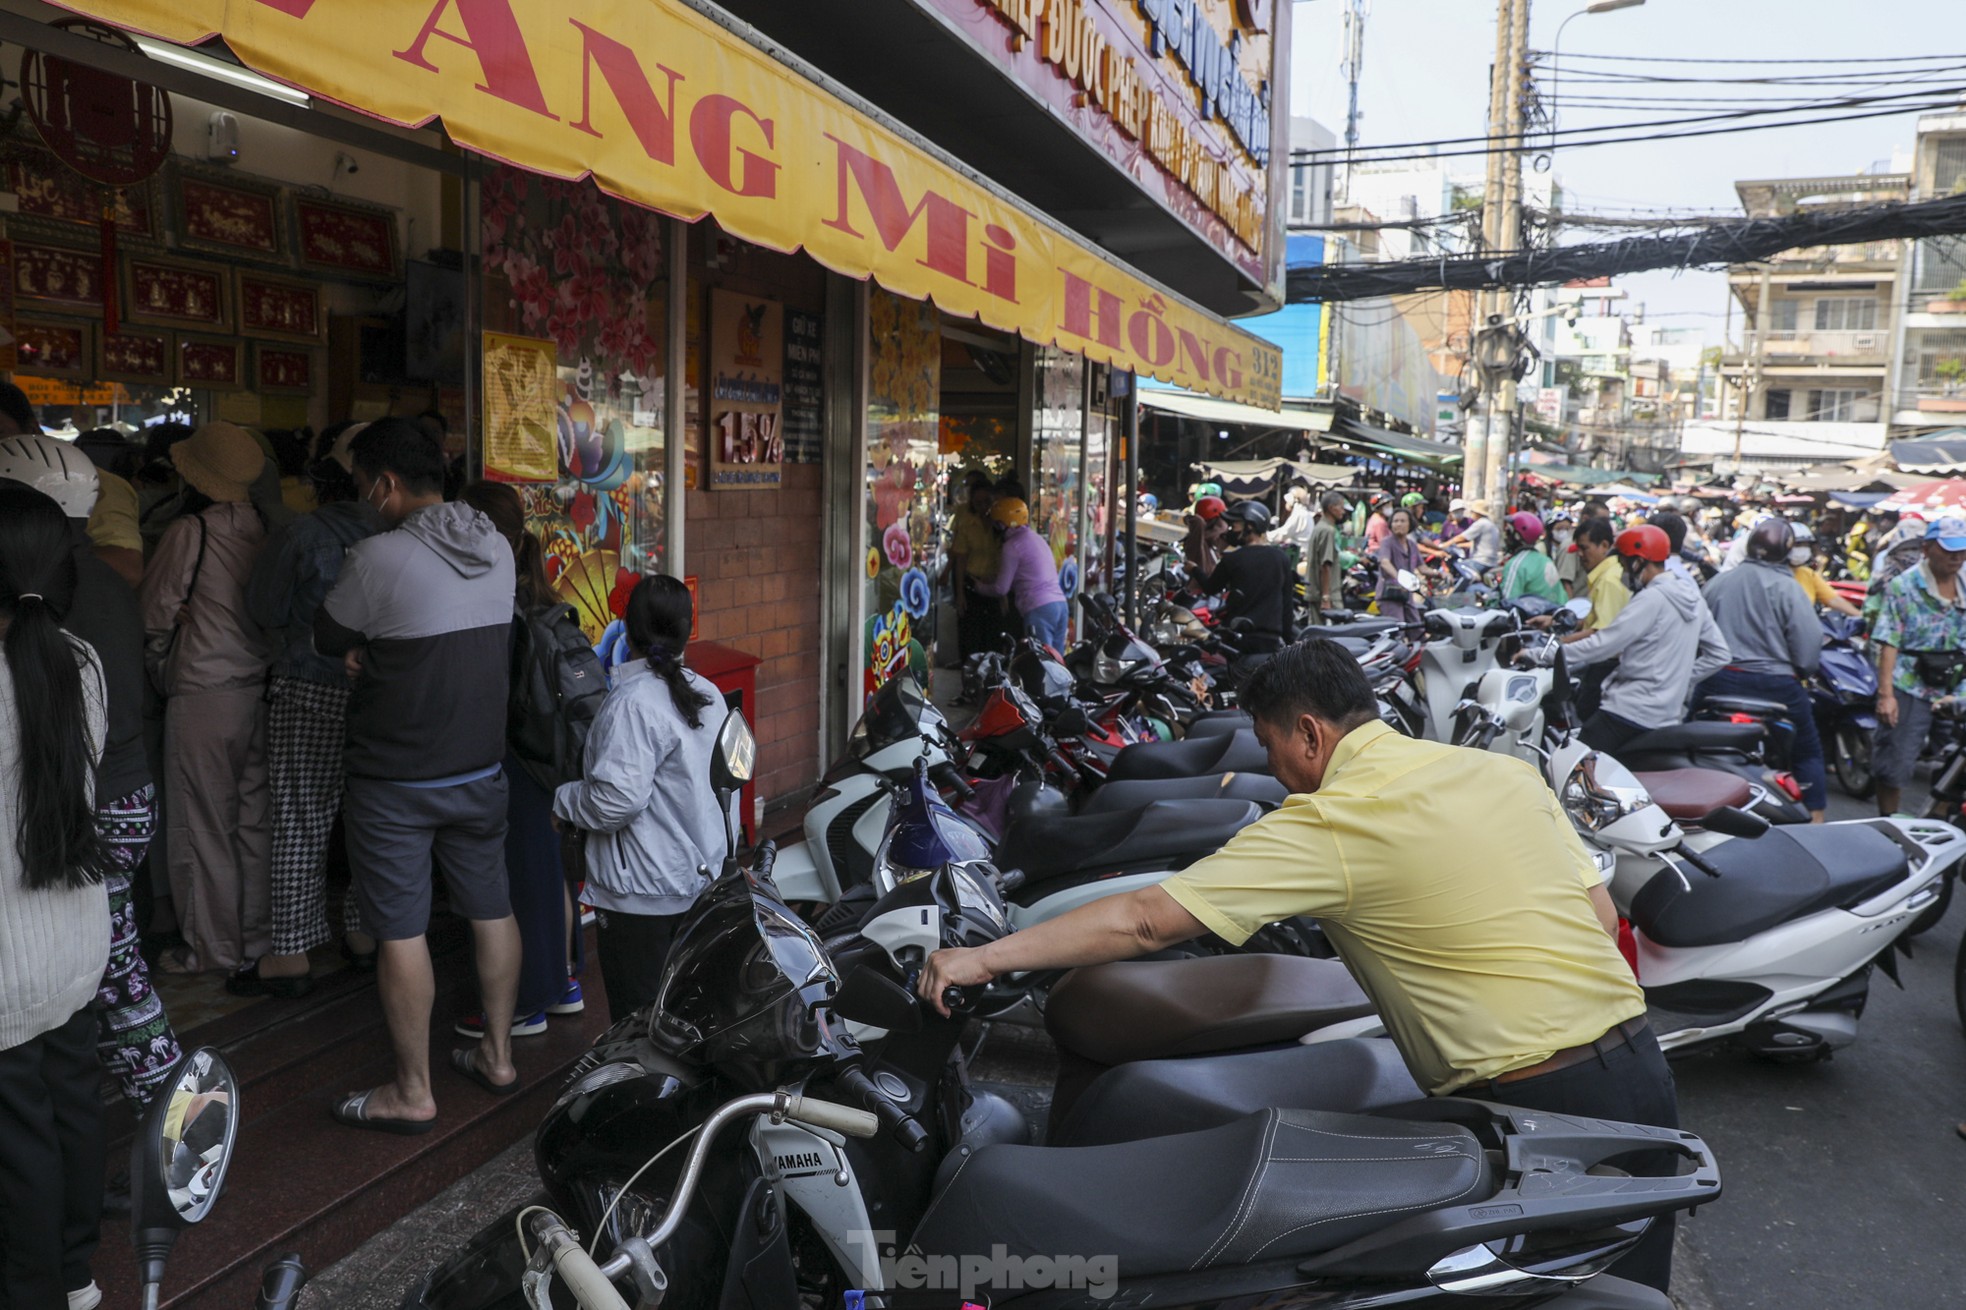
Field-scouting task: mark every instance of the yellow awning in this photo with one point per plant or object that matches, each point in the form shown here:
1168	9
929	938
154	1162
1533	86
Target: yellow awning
665	107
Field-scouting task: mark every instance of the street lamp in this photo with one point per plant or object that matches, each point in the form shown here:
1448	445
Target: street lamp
1556	50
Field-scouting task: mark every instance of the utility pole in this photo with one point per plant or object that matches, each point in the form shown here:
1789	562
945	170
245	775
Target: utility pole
1474	465
1354	61
1514	92
1750	387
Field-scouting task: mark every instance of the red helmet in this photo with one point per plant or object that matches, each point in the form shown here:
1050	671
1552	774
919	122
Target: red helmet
1211	508
1646	542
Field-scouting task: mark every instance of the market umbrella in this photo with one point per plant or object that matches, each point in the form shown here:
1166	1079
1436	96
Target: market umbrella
1945	493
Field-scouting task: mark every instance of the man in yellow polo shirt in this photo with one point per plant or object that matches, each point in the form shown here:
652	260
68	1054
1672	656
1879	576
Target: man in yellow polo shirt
1495	968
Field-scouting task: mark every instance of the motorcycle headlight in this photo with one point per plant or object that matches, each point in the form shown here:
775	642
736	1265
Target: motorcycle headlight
1107	669
1594	802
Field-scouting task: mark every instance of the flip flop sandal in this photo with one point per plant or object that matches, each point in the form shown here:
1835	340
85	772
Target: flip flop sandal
353	1110
178	961
464	1061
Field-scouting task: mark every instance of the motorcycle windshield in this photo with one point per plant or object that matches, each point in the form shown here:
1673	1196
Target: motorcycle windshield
898	712
744	979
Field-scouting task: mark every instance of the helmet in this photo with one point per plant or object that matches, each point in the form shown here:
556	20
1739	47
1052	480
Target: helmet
55	469
1251	514
1771	539
1527	526
1804	534
1149	502
1689	504
1211	508
1412	499
1211	488
1011	512
1645	542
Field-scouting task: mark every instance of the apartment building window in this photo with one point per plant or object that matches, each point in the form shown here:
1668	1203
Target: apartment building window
1776	405
1781	316
1300	193
1933	348
1941	265
1949	166
1841	405
1846	314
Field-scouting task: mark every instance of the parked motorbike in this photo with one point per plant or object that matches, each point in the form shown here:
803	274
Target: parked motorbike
817	1198
1844	693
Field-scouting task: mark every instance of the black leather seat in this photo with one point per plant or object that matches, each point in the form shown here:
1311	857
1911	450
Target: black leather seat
1694	737
1153	1098
1761	709
1784	875
1277	1185
1218	725
1236	752
1256	788
1046	846
1365	628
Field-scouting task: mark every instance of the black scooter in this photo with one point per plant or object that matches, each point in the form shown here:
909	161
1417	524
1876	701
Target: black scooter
926	1198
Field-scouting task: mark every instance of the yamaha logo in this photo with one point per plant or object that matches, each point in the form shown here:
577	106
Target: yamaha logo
798	1161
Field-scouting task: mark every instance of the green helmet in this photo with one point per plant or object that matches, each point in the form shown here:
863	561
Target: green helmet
1411	499
1208	489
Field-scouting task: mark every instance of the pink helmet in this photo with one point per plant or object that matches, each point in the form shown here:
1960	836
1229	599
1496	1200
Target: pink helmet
1527	526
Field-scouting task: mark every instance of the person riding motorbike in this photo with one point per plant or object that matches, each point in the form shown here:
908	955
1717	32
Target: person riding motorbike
1774	642
1664	640
1378	526
1206	528
1920	639
1801	558
1529	572
1255	576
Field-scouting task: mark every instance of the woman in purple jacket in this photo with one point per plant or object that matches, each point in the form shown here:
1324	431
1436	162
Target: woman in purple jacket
1028	575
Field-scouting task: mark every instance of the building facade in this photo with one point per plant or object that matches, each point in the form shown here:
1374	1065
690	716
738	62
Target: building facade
1930	385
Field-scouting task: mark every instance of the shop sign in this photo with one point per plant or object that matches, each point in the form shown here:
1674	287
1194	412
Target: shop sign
1154	78
522	392
804	420
666	108
746	394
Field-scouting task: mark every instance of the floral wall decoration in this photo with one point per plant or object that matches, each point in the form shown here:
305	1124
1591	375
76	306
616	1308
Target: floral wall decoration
568	264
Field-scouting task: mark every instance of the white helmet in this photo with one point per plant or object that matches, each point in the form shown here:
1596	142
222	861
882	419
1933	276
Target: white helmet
55	469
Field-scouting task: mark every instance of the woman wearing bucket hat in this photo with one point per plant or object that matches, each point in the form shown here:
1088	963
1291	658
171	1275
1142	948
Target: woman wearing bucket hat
208	659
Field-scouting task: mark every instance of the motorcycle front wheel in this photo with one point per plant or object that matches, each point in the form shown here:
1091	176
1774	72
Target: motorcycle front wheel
1851	759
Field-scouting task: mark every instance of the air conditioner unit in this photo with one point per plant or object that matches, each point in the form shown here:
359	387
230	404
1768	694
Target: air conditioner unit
1864	341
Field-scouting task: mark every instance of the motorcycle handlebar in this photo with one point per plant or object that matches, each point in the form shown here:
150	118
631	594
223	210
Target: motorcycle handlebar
948	775
766	857
281	1283
830	1114
896	1120
590	1287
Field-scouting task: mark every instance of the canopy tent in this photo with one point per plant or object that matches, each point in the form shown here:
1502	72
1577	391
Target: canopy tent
1625	490
1842	477
1402	446
1858	499
1927	497
1937	452
1258	477
1578	476
1186	404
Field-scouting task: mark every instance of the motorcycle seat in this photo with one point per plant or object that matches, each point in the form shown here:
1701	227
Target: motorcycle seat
1256	788
1235	752
1151	1009
1754	705
1155	1098
1273	1186
1219	725
1046	845
1701	735
1360	628
1689	795
1783	875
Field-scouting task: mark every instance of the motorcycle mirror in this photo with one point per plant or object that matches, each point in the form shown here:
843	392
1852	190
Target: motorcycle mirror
1071	722
868	996
736	757
179	1159
1730	821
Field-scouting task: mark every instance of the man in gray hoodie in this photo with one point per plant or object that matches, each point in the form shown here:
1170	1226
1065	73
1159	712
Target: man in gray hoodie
1775	642
423	615
1663	639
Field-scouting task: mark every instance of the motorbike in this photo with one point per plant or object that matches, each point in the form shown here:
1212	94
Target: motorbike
1844	694
868	1167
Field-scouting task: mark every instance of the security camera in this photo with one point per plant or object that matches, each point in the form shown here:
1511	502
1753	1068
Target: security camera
345	163
222	138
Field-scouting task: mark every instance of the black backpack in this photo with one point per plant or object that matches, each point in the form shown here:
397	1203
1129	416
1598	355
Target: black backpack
558	685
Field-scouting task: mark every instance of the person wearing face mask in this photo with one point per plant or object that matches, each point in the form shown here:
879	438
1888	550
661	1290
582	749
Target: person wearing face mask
1802	564
421	615
1663	639
1920	639
1775	642
1526	1002
1595	547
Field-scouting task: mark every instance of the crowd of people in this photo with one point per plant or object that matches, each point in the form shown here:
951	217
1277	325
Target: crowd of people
223	648
1689	598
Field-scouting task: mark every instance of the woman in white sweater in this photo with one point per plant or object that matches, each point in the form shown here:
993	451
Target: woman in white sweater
645	800
54	917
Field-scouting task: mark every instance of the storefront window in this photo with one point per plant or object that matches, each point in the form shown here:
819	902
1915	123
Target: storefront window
1059	443
576	279
903	472
1098	531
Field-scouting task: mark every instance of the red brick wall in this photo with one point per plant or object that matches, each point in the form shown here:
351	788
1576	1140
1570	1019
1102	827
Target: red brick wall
756	558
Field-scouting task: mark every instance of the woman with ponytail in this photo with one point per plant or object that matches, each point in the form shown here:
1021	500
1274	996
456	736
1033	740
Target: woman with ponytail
655	830
54	916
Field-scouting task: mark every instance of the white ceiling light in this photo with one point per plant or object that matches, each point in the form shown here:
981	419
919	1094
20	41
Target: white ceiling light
206	66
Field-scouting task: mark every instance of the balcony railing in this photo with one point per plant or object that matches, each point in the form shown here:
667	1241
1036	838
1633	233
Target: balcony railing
1868	344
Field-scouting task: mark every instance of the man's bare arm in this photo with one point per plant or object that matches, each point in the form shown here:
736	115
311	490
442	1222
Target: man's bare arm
1607	913
1111	928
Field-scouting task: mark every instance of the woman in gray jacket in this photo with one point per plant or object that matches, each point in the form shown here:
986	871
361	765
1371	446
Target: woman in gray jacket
654	829
54	917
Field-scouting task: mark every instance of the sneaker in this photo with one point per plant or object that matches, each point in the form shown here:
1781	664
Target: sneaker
570	1001
85	1298
523	1025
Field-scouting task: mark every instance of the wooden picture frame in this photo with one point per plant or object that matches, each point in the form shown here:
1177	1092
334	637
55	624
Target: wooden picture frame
50	275
49	192
55	348
140	355
346	239
280	308
283	370
176	293
230	215
211	363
